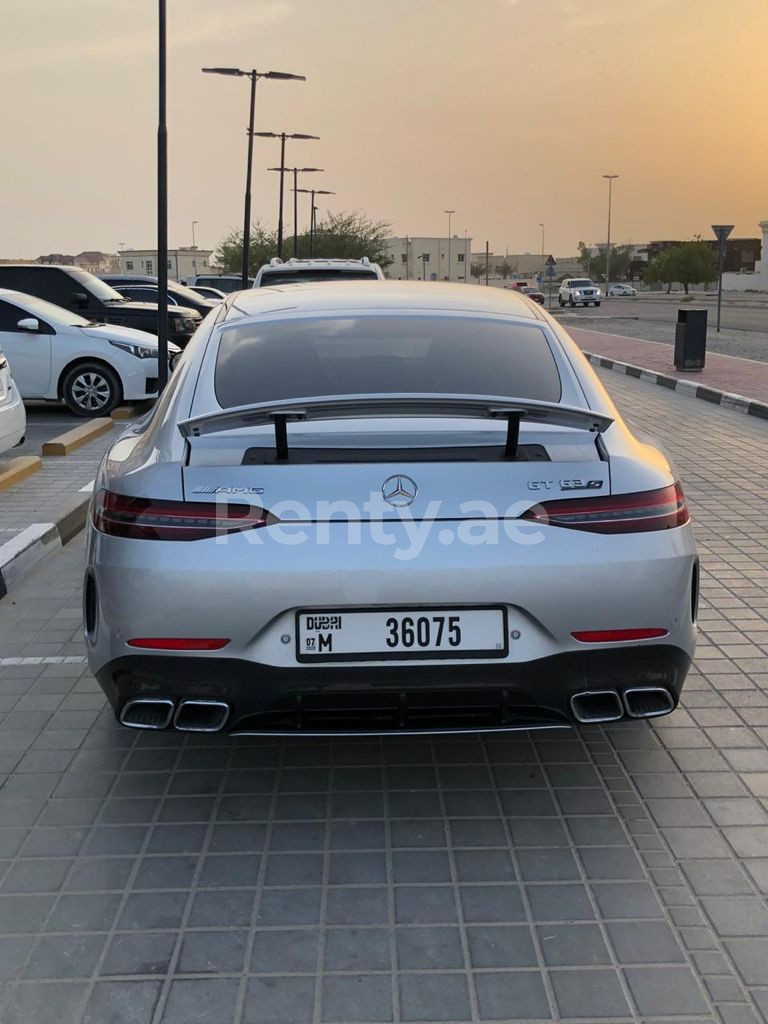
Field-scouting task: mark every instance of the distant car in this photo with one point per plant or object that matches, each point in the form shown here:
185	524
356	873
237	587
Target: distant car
295	271
535	294
579	291
208	293
13	418
90	297
221	282
622	289
58	355
144	289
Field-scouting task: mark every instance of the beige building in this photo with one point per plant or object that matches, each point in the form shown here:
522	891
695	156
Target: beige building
426	258
97	262
183	263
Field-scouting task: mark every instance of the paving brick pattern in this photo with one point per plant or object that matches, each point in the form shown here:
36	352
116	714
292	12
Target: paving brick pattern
611	874
746	377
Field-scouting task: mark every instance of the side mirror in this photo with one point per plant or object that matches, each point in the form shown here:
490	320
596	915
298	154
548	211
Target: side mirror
80	299
29	323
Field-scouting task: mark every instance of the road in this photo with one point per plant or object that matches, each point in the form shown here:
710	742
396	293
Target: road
612	873
664	311
44	421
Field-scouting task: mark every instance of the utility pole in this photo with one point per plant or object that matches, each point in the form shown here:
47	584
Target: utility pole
162	207
486	264
610	179
722	231
450	214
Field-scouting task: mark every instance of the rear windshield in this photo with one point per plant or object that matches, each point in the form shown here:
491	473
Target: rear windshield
382	355
302	276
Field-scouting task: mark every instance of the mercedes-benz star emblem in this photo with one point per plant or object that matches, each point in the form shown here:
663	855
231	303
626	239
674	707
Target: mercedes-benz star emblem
399	490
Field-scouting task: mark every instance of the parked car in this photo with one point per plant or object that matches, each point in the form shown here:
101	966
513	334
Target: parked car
622	289
222	282
85	294
13	418
295	271
144	289
534	293
59	355
208	293
579	291
338	522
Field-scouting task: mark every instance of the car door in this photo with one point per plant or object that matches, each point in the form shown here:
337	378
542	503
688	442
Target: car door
28	352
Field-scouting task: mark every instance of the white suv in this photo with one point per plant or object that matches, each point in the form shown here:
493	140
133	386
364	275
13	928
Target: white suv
579	291
294	271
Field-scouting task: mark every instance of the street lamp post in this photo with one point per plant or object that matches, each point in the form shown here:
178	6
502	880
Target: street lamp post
542	249
722	231
312	210
162	207
194	256
254	76
296	172
465	256
450	214
194	222
424	258
282	168
610	178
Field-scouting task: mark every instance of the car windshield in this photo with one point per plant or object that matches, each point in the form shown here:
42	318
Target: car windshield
49	312
180	291
582	282
98	288
383	355
321	274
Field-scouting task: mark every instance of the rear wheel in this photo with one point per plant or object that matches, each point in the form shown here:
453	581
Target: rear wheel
597	303
91	389
571	303
561	301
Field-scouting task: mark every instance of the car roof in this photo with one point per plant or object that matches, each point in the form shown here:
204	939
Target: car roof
378	296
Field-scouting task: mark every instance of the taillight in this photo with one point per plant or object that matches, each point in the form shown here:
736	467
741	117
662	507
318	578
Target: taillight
176	643
612	636
661	509
151	519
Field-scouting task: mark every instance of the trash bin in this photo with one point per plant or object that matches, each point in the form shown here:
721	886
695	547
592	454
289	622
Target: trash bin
690	339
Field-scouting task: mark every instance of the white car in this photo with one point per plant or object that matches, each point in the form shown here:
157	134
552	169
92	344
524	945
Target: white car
625	290
59	355
13	419
579	291
300	271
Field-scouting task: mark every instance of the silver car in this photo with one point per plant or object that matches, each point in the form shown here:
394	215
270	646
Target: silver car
386	508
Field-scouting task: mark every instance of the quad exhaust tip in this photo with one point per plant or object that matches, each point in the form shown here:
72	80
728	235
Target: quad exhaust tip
201	715
597	706
147	713
648	702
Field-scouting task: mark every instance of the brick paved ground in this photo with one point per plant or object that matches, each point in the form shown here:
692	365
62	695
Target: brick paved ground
727	373
613	874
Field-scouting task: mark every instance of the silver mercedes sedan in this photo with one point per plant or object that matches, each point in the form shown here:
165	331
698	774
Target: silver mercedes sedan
382	508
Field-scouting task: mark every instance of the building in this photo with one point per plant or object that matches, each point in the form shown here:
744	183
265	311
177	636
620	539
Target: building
56	259
742	255
429	259
183	263
524	265
744	279
97	262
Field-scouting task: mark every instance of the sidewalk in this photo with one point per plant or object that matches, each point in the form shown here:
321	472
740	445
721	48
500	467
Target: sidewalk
730	375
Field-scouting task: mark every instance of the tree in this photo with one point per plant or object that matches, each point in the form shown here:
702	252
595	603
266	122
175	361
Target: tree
477	270
689	263
504	269
340	235
660	270
593	263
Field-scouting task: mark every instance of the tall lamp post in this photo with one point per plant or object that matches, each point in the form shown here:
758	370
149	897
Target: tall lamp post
542	248
254	76
312	210
162	206
450	214
722	231
282	168
296	171
610	178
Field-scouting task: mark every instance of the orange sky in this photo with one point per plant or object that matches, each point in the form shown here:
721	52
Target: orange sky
507	111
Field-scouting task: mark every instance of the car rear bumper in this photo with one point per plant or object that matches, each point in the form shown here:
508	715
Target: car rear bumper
13	420
407	699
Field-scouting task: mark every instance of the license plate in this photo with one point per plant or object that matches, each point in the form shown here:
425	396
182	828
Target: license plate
401	634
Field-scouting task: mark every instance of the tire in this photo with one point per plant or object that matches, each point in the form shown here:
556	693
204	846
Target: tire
571	303
597	303
560	301
91	389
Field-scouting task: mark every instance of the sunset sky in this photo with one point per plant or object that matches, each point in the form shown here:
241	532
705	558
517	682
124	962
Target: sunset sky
508	111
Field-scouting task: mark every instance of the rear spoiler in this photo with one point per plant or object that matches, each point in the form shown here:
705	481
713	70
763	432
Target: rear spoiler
337	407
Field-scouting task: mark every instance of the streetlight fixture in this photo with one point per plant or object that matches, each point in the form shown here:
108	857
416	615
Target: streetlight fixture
296	171
450	214
254	76
282	168
610	178
194	222
313	210
722	231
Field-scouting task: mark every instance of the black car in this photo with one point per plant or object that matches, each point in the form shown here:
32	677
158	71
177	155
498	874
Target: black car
86	294
144	289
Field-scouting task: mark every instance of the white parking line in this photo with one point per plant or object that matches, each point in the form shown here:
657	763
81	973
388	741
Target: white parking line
88	488
51	659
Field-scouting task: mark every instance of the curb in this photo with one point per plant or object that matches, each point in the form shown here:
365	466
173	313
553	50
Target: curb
23	552
738	403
